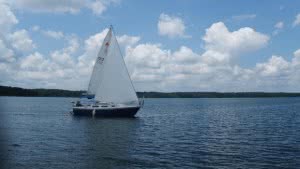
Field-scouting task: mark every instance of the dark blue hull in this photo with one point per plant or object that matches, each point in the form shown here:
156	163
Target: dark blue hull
116	112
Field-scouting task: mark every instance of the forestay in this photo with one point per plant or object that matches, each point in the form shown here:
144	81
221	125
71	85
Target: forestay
115	84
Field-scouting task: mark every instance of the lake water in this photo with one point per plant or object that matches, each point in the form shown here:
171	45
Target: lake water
167	133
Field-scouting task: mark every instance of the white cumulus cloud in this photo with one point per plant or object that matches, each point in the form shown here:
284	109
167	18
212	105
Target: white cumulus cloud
147	56
7	18
99	6
21	41
297	20
219	38
62	6
53	34
151	65
35	61
64	57
6	54
279	25
55	6
171	26
126	40
275	66
185	55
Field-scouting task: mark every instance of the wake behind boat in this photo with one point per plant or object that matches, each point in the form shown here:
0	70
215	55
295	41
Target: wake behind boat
110	92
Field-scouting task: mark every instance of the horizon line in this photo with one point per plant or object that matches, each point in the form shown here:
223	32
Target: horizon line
158	91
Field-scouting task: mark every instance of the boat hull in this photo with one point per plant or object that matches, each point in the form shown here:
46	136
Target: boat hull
111	112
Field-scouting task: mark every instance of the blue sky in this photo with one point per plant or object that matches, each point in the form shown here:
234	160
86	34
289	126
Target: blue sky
140	18
258	52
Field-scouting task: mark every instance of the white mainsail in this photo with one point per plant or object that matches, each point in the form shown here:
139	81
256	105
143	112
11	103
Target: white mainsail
113	83
98	66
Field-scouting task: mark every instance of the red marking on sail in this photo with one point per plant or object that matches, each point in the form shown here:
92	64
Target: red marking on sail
107	44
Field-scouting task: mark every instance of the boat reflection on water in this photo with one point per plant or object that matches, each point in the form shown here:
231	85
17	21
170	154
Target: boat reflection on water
107	142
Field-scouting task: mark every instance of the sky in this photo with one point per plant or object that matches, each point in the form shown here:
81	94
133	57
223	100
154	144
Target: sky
168	46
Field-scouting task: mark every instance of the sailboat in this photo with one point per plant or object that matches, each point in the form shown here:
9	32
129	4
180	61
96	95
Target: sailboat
110	91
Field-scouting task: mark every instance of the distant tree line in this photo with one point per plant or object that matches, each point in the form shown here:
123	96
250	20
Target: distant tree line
16	91
215	94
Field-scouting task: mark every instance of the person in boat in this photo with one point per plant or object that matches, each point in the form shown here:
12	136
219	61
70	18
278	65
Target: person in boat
78	104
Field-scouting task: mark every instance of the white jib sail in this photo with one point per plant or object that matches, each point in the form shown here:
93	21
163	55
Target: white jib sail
115	84
98	66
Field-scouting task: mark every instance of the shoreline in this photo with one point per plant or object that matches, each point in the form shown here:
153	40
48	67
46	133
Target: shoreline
22	92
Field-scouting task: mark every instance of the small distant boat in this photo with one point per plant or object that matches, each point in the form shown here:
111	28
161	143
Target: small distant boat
110	92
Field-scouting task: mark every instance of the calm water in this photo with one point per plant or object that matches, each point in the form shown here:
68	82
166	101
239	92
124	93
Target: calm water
168	133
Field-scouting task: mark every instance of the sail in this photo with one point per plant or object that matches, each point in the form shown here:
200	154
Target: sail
115	84
98	66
